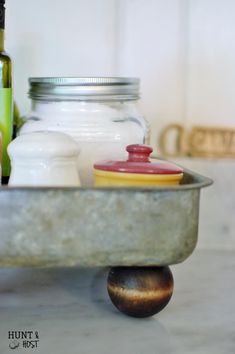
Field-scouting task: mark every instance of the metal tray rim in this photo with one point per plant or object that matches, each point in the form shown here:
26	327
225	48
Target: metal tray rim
199	181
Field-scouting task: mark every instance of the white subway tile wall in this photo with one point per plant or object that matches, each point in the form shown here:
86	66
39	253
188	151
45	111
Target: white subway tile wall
183	51
59	38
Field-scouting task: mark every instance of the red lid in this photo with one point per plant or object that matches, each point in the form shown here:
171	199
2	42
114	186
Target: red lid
138	162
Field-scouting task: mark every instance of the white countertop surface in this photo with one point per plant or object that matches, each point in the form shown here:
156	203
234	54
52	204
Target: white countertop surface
70	310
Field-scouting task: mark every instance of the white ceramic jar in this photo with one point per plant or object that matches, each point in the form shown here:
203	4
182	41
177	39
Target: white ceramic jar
44	159
101	114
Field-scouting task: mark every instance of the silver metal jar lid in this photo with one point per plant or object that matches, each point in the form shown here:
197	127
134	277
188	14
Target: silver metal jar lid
83	88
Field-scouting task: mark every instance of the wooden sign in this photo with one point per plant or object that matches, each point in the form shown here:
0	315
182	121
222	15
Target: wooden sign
199	141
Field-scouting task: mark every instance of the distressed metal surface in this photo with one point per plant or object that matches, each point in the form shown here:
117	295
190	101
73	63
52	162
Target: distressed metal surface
99	227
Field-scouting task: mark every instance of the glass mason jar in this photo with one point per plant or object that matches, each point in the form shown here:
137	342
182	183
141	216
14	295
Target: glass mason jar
100	113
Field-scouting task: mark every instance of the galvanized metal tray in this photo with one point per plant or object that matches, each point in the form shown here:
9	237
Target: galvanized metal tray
100	226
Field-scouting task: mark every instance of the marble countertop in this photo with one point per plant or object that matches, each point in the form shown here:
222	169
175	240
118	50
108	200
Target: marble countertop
71	312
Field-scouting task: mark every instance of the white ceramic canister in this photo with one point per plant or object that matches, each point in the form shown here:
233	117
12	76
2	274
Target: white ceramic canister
100	113
44	159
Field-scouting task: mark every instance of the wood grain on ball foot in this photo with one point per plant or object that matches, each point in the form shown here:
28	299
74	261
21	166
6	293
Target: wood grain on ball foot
140	291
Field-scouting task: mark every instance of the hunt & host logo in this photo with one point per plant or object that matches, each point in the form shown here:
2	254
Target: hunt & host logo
23	339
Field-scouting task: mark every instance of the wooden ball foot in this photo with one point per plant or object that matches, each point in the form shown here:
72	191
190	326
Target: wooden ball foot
140	291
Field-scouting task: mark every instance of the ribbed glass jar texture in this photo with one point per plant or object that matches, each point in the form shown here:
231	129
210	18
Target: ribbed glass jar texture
102	117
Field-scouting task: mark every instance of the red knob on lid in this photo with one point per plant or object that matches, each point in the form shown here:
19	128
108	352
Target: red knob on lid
139	153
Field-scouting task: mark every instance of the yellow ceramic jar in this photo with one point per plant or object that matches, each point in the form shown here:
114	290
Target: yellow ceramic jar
138	170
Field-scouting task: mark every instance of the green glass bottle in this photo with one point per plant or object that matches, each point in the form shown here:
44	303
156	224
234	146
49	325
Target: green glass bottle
6	98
